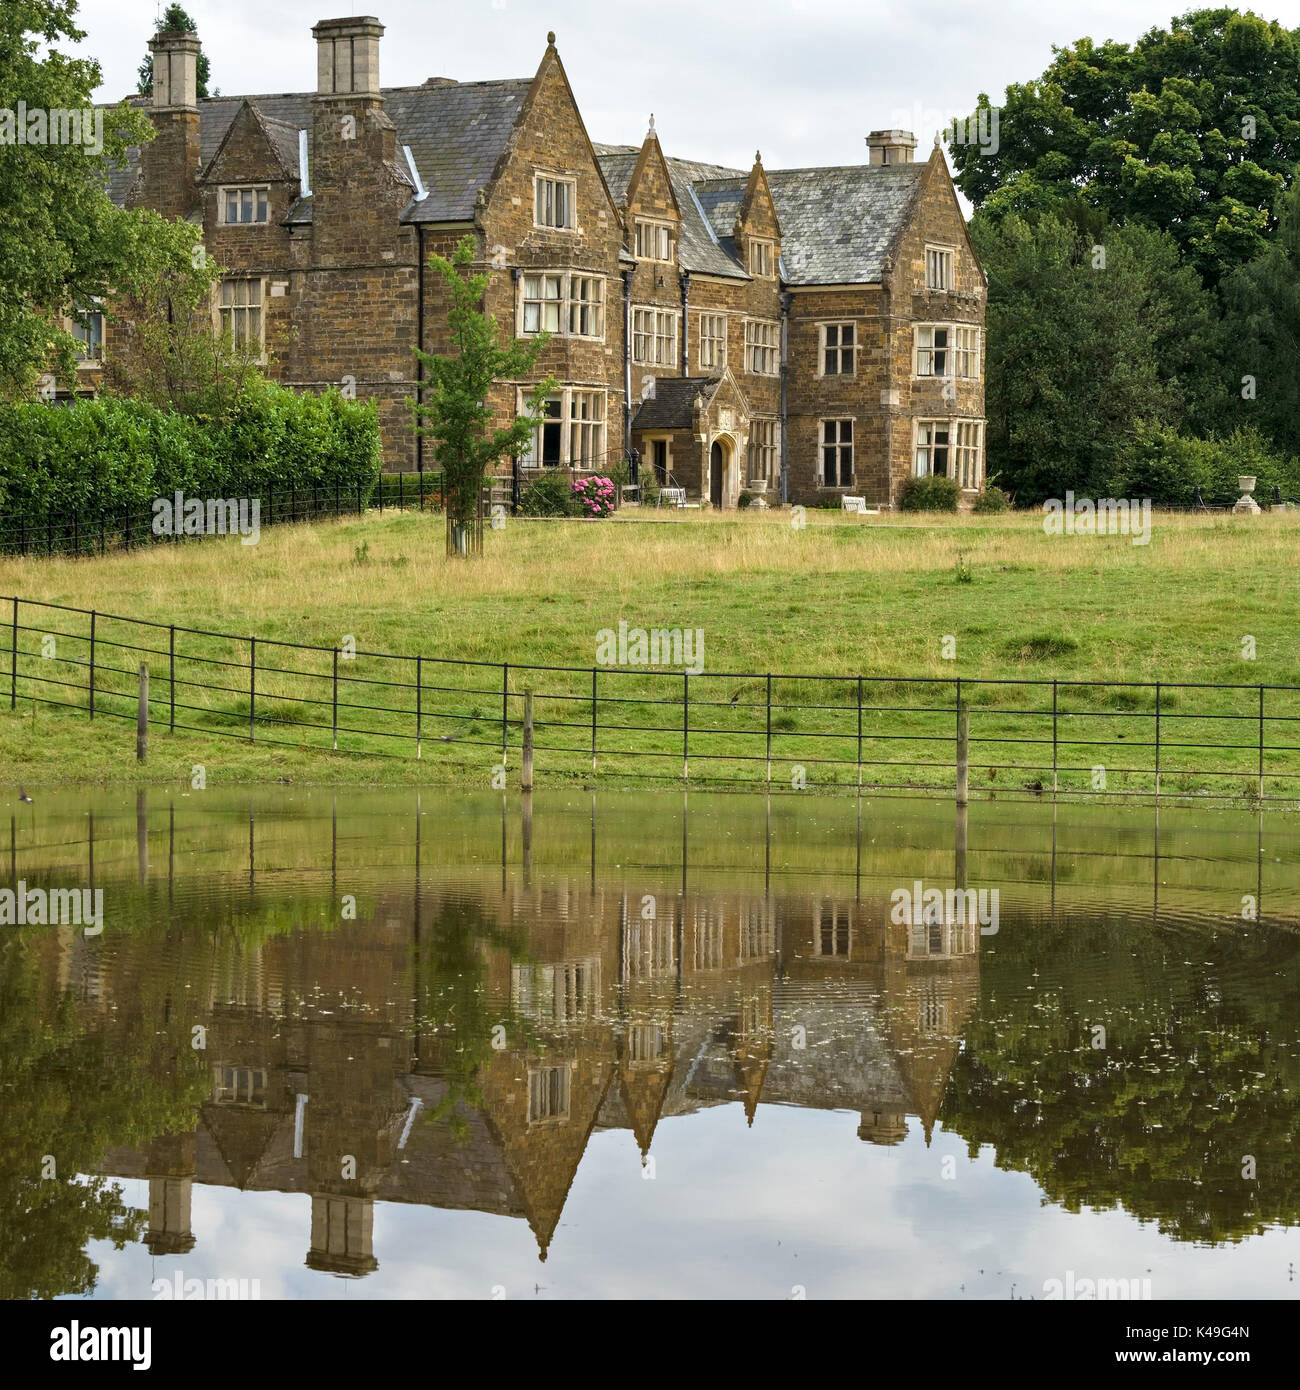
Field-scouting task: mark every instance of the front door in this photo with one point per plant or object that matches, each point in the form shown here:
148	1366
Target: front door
715	475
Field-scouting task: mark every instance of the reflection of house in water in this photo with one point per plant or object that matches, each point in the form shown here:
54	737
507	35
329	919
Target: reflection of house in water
333	1073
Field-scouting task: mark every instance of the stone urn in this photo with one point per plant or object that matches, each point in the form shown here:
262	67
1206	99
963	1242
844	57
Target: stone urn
1246	504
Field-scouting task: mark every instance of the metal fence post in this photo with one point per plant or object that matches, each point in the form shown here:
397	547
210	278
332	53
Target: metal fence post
593	719
91	678
252	686
1054	761
686	724
769	730
419	707
335	699
859	733
963	749
13	660
1261	743
1157	738
505	707
171	677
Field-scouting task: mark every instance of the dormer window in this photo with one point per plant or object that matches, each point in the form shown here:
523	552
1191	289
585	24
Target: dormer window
761	257
654	241
555	203
240	206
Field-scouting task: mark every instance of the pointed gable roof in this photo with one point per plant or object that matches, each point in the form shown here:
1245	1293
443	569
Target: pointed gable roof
279	137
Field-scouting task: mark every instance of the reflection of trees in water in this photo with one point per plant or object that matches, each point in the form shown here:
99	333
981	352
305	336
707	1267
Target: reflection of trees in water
454	1004
1199	1072
72	1092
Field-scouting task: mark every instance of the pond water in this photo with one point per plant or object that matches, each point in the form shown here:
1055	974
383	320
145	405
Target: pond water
374	1045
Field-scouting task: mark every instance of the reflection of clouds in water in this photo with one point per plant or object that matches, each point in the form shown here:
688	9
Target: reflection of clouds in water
852	1221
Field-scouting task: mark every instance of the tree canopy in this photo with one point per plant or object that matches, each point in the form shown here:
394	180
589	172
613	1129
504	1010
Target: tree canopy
1194	129
61	238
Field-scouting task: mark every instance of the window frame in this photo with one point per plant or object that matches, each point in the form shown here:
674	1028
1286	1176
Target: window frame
564	302
715	339
556	180
752	346
93	356
657	227
764	458
261	202
824	348
654	336
947	257
762	249
567	399
969	454
222	309
839	444
956	356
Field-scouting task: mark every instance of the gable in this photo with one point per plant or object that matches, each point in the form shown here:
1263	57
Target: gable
649	191
548	133
254	149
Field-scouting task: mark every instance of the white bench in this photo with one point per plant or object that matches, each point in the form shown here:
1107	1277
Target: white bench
672	496
854	504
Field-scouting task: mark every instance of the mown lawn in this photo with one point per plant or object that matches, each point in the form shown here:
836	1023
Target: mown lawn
870	597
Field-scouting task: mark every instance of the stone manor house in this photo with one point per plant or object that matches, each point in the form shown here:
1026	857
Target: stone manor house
799	334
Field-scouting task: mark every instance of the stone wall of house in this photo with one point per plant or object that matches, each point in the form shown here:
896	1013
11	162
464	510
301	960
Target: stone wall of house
551	139
859	395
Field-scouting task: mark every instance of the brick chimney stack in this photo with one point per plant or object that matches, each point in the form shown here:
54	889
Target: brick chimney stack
169	164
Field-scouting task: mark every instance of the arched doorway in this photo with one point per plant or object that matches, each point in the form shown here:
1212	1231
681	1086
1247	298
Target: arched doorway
717	472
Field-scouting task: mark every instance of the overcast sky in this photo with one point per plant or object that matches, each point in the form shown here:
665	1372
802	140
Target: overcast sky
802	80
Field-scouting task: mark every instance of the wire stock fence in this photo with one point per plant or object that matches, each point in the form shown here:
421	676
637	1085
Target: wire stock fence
996	735
56	531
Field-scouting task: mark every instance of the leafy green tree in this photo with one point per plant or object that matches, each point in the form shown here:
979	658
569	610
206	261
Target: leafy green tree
458	414
165	350
1262	304
1194	129
175	20
1090	330
60	236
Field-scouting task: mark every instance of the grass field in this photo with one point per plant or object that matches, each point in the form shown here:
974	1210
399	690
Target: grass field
875	597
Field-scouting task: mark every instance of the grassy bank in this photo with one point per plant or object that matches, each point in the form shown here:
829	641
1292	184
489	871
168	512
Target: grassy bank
874	596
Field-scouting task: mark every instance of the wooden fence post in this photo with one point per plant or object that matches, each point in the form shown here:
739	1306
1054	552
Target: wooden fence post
526	771
142	716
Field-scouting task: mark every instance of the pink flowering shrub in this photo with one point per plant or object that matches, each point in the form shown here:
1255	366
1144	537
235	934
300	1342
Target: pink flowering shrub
594	497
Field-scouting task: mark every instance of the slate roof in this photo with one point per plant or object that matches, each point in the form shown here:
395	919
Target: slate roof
456	131
672	407
699	250
837	225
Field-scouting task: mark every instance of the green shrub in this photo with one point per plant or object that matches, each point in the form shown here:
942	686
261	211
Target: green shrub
992	499
745	499
548	495
929	494
1168	467
110	454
